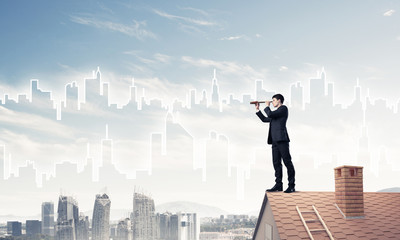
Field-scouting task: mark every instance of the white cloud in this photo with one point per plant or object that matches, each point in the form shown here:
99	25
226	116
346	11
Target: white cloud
233	38
240	70
33	122
135	30
163	89
202	12
157	57
283	68
184	19
258	35
162	58
389	13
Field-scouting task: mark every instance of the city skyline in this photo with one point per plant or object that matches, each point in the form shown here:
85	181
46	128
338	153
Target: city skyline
106	164
169	109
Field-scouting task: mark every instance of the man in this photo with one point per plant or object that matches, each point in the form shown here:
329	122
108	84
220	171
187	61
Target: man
279	138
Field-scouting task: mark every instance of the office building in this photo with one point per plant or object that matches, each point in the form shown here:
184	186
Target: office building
67	219
143	217
48	218
101	218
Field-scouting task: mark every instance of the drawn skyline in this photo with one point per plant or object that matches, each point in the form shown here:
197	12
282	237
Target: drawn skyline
207	155
170	104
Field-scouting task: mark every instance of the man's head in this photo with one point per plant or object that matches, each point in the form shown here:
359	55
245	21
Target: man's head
277	100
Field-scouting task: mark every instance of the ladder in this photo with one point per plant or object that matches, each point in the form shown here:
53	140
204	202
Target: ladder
317	220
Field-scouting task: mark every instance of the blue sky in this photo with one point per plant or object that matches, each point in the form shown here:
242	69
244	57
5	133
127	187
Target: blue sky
280	42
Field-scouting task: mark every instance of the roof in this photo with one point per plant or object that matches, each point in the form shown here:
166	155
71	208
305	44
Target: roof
381	220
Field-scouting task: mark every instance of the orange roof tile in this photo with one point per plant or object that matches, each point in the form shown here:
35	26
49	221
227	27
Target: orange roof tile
381	215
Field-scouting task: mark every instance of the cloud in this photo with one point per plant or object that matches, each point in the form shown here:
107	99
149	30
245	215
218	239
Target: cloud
162	58
135	30
389	13
398	38
156	58
202	12
184	19
258	35
233	38
283	68
33	122
240	70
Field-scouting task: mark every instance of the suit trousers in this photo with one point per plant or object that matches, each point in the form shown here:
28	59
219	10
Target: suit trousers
280	151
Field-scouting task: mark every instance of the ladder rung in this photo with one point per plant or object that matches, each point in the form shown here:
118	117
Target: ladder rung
325	229
312	220
317	230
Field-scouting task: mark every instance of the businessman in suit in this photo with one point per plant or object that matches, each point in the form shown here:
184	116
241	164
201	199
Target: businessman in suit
279	138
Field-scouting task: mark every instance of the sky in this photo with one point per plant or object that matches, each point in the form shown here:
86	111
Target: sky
166	42
170	47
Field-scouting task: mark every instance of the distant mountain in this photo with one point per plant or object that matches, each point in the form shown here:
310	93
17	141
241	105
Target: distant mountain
115	214
118	214
6	218
253	213
190	207
393	189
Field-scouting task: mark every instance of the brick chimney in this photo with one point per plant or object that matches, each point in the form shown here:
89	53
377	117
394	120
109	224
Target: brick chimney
349	191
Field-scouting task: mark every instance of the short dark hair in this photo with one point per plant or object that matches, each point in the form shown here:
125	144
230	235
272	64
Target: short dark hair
279	97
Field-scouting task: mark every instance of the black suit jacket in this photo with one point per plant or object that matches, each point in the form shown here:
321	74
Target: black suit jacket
277	124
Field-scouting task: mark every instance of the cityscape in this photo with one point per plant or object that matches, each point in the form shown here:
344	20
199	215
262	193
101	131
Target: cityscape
206	163
144	223
145	141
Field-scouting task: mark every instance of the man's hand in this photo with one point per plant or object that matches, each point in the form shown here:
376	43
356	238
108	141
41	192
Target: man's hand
267	103
257	106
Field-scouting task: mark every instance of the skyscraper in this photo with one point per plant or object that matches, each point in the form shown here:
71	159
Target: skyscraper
189	229
33	229
143	217
296	96
101	218
82	230
164	225
215	91
67	219
14	228
2	161
48	218
124	231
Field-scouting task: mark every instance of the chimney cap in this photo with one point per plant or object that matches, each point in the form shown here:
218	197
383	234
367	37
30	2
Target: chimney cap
348	166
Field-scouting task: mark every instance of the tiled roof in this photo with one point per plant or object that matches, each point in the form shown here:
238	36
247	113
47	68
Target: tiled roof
381	220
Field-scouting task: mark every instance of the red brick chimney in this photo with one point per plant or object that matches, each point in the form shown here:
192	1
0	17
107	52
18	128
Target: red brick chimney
349	193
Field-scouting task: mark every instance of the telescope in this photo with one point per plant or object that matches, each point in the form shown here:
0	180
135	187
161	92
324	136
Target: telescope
254	102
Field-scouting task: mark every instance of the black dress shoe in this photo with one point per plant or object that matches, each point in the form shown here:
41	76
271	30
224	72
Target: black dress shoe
289	190
275	188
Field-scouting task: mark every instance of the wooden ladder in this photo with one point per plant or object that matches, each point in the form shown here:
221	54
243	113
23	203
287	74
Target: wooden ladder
305	221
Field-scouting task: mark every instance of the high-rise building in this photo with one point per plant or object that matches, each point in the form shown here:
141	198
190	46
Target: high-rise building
67	219
175	230
48	218
189	227
2	162
143	217
164	224
215	91
101	218
297	96
14	228
33	229
261	93
82	229
124	231
71	96
180	226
